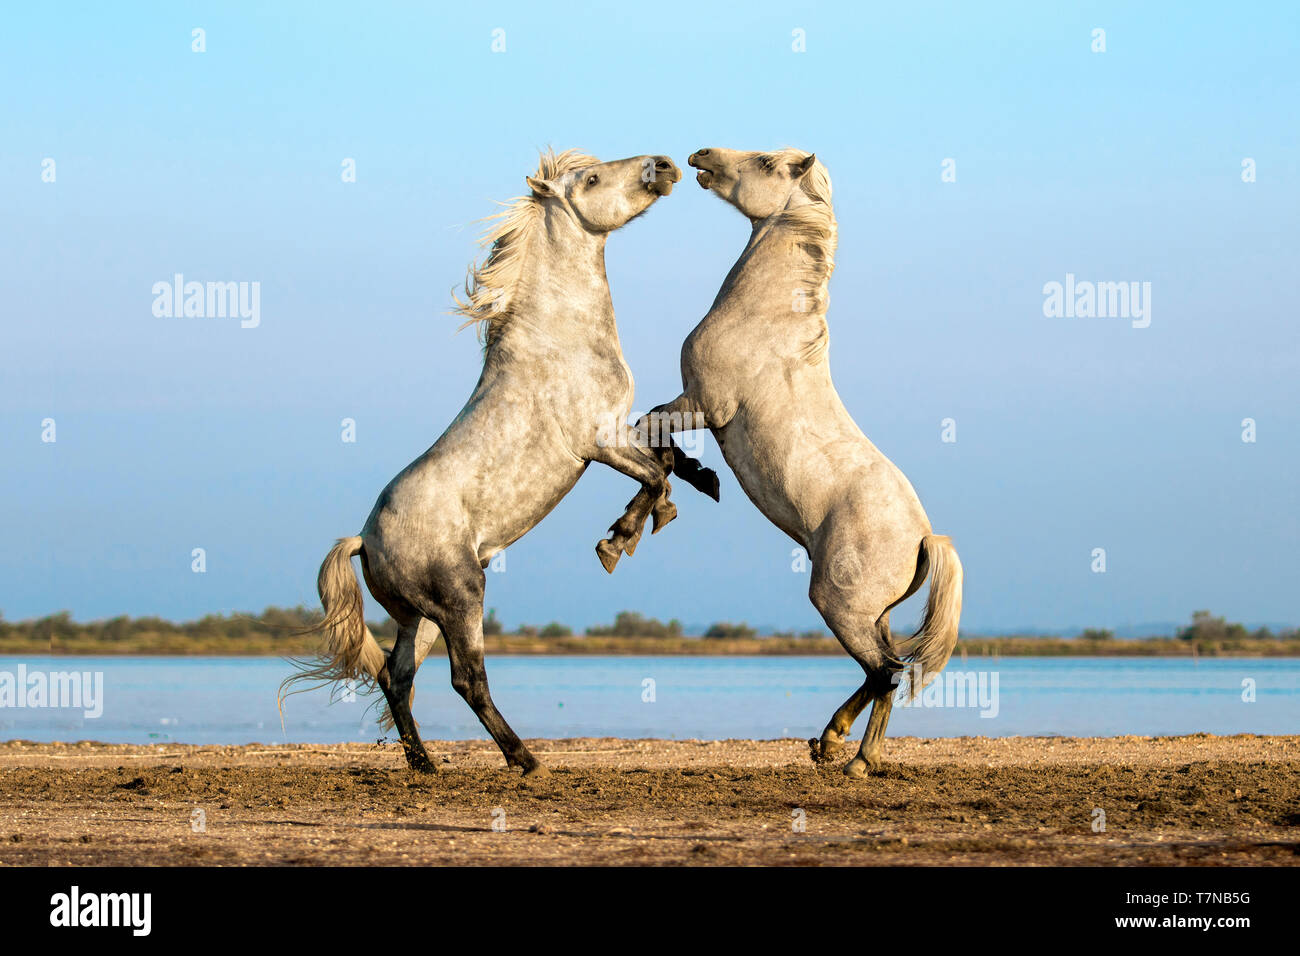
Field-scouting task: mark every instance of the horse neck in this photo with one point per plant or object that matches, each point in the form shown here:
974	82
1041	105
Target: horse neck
769	270
563	293
763	228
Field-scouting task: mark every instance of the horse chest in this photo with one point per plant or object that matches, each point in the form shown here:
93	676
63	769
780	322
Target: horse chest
719	361
611	377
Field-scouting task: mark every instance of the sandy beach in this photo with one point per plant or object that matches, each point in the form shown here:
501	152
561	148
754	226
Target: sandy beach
1195	800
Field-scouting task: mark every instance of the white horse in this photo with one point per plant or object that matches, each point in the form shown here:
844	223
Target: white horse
756	372
554	395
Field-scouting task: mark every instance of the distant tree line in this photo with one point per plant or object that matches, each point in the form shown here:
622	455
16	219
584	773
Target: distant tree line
272	621
632	624
279	623
1207	628
635	624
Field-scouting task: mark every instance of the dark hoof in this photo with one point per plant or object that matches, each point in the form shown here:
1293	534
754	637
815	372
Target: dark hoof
608	555
823	751
859	767
662	515
694	474
709	484
420	763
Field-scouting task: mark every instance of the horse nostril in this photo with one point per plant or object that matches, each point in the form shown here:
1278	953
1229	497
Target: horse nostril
701	152
663	164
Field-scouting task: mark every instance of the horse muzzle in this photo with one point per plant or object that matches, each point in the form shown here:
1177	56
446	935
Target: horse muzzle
665	175
705	175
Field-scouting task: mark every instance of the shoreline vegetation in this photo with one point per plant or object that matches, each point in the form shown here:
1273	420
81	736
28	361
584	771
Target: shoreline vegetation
278	632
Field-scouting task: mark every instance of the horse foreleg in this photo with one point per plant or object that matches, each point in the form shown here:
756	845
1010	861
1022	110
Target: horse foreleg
625	533
694	474
680	415
662	507
648	466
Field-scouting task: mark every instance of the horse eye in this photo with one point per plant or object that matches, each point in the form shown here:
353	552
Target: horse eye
592	180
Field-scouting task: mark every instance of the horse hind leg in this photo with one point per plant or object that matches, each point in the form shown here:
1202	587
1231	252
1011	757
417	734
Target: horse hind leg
469	678
460	615
426	637
398	690
824	749
870	757
880	688
860	621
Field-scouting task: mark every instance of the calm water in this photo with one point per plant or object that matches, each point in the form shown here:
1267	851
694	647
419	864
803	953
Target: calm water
232	700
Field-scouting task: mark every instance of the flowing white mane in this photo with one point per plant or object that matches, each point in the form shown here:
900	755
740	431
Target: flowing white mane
490	285
812	225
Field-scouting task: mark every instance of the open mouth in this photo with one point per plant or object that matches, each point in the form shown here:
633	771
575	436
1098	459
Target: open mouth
705	176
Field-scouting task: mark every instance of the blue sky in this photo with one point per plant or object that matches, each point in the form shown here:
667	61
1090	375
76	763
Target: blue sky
1072	434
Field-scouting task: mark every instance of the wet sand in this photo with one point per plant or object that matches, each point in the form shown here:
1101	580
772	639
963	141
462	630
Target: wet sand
1197	800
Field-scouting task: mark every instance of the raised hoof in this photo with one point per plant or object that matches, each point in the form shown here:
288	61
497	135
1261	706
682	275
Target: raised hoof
690	470
709	484
662	515
629	546
608	555
823	750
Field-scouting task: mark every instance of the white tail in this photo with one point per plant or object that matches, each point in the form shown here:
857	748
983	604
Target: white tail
348	650
930	647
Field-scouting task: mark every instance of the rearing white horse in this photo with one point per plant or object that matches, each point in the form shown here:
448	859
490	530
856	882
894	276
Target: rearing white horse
554	385
756	372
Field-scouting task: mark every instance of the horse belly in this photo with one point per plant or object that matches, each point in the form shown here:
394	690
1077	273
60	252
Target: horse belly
469	492
763	479
508	512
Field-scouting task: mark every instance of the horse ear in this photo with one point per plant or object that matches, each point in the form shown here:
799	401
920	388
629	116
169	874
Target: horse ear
542	188
799	170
